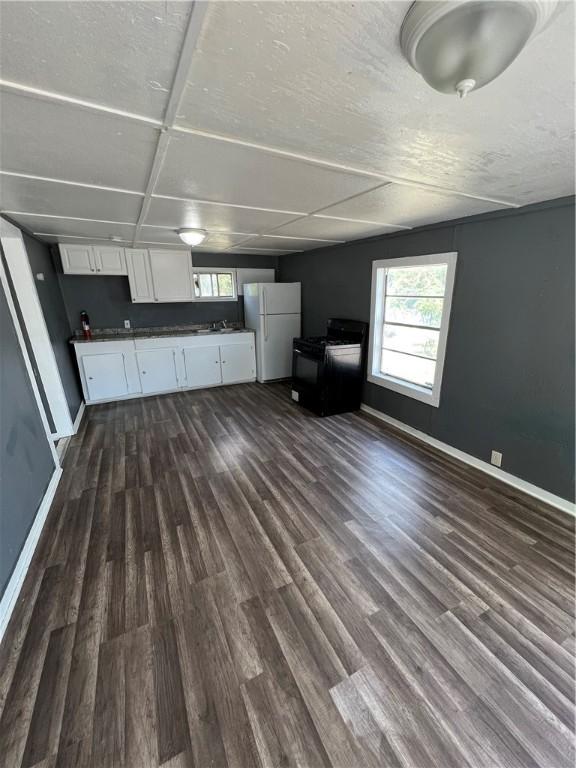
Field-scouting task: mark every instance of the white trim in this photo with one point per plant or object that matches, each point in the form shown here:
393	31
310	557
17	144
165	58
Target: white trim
27	363
505	477
431	397
19	574
60	98
71	183
25	288
79	416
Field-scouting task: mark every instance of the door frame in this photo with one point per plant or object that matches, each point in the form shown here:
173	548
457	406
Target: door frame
22	279
27	362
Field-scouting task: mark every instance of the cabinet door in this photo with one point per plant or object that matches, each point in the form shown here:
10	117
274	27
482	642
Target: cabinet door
77	259
238	362
171	275
109	260
105	376
139	277
202	366
157	369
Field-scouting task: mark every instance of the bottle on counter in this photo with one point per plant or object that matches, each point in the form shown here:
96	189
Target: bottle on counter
85	320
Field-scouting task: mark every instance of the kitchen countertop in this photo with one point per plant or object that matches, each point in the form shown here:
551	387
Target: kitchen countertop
122	334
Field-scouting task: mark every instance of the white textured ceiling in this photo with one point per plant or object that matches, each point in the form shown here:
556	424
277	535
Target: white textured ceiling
275	126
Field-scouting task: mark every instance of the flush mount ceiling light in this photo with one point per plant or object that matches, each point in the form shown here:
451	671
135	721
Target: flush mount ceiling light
462	45
191	236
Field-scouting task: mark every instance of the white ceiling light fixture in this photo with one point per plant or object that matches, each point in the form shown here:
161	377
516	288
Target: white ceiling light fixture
462	45
191	236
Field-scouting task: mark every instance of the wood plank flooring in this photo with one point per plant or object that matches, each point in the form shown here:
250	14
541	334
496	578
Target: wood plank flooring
226	581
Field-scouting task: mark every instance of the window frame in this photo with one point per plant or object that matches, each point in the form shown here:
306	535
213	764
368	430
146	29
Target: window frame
415	391
215	271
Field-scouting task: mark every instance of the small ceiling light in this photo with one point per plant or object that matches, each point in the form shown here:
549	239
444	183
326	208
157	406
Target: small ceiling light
462	45
191	236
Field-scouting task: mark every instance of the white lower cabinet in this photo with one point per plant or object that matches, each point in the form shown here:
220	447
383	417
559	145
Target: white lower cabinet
157	368
113	370
202	365
105	376
237	362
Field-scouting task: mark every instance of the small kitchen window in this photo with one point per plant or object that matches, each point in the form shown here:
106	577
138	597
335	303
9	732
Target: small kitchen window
410	313
212	284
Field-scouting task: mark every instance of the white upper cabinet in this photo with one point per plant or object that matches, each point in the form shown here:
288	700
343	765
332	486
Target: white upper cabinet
171	275
139	276
77	259
109	260
92	260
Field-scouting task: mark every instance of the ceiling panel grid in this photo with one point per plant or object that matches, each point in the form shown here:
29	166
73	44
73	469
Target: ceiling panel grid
275	127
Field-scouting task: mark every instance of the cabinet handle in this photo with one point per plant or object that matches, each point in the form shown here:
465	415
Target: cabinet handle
144	372
97	269
90	377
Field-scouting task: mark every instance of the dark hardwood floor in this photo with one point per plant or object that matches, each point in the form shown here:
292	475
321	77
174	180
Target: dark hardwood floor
225	581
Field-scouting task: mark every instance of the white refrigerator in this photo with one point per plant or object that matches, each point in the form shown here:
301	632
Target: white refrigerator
272	311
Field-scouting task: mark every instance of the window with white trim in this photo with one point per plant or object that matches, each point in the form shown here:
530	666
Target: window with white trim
214	284
410	314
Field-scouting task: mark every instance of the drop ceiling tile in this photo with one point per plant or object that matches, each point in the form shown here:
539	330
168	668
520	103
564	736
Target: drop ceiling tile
408	206
122	55
288	243
221	239
195	214
335	85
27	195
71	227
61	141
208	169
332	229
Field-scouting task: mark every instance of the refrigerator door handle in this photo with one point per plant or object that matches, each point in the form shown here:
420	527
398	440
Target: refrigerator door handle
265	327
264	301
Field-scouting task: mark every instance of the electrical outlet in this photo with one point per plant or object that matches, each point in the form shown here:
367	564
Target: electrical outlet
496	459
126	323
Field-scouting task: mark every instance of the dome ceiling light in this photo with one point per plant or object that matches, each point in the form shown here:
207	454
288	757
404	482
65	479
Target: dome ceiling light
191	236
462	45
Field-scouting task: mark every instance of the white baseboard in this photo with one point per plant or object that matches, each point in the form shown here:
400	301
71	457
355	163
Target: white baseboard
521	485
19	574
78	419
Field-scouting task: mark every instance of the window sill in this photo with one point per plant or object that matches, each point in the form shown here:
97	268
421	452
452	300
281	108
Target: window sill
403	388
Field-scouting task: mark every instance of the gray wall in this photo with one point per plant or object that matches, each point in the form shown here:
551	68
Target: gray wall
108	303
56	318
26	464
509	372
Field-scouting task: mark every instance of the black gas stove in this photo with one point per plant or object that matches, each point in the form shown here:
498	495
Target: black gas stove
327	371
